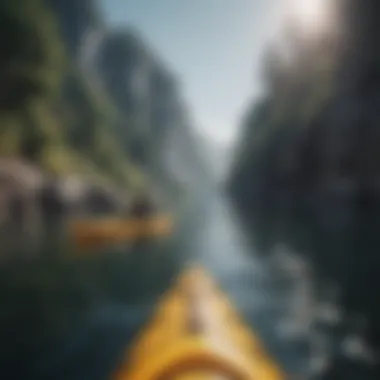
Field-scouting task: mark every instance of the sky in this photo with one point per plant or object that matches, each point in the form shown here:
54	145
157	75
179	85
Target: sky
215	48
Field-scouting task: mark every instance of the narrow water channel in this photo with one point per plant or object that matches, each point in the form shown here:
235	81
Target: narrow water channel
208	234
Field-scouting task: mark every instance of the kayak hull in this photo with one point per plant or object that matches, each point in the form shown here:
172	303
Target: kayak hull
196	334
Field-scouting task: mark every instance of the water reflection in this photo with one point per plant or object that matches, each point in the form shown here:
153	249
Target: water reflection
263	295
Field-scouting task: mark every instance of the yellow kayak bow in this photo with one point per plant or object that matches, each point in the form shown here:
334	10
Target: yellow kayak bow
196	334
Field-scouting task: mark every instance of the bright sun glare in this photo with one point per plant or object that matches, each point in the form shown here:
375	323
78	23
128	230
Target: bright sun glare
311	16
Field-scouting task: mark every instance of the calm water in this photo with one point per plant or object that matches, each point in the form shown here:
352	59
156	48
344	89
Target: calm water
264	298
209	234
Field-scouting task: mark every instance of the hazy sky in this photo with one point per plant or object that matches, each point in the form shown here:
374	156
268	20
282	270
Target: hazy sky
215	47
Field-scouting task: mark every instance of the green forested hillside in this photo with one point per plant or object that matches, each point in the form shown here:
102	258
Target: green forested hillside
50	114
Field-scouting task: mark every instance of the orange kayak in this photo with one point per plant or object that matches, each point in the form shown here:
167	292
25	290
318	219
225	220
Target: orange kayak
90	234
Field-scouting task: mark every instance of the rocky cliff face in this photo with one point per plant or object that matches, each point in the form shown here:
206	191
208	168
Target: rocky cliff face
145	95
152	122
307	170
77	20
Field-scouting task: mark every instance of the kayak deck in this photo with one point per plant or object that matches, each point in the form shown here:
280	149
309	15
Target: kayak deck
196	334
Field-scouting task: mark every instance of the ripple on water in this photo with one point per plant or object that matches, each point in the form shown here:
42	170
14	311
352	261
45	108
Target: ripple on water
259	294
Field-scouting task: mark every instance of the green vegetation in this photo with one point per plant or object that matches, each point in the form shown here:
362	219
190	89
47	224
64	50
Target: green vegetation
50	113
31	71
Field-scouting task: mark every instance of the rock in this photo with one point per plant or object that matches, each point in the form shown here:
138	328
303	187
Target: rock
20	217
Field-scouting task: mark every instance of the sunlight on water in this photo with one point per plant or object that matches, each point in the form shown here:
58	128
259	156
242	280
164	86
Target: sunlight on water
221	247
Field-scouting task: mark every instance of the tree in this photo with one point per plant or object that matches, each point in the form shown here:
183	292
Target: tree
31	52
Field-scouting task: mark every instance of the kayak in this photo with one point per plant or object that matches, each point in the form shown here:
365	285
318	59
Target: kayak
196	334
97	233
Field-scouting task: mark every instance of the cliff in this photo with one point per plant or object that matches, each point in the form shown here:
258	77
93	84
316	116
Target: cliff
306	172
83	98
153	123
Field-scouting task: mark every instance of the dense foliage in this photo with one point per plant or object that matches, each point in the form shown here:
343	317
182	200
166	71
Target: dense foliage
49	113
103	117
